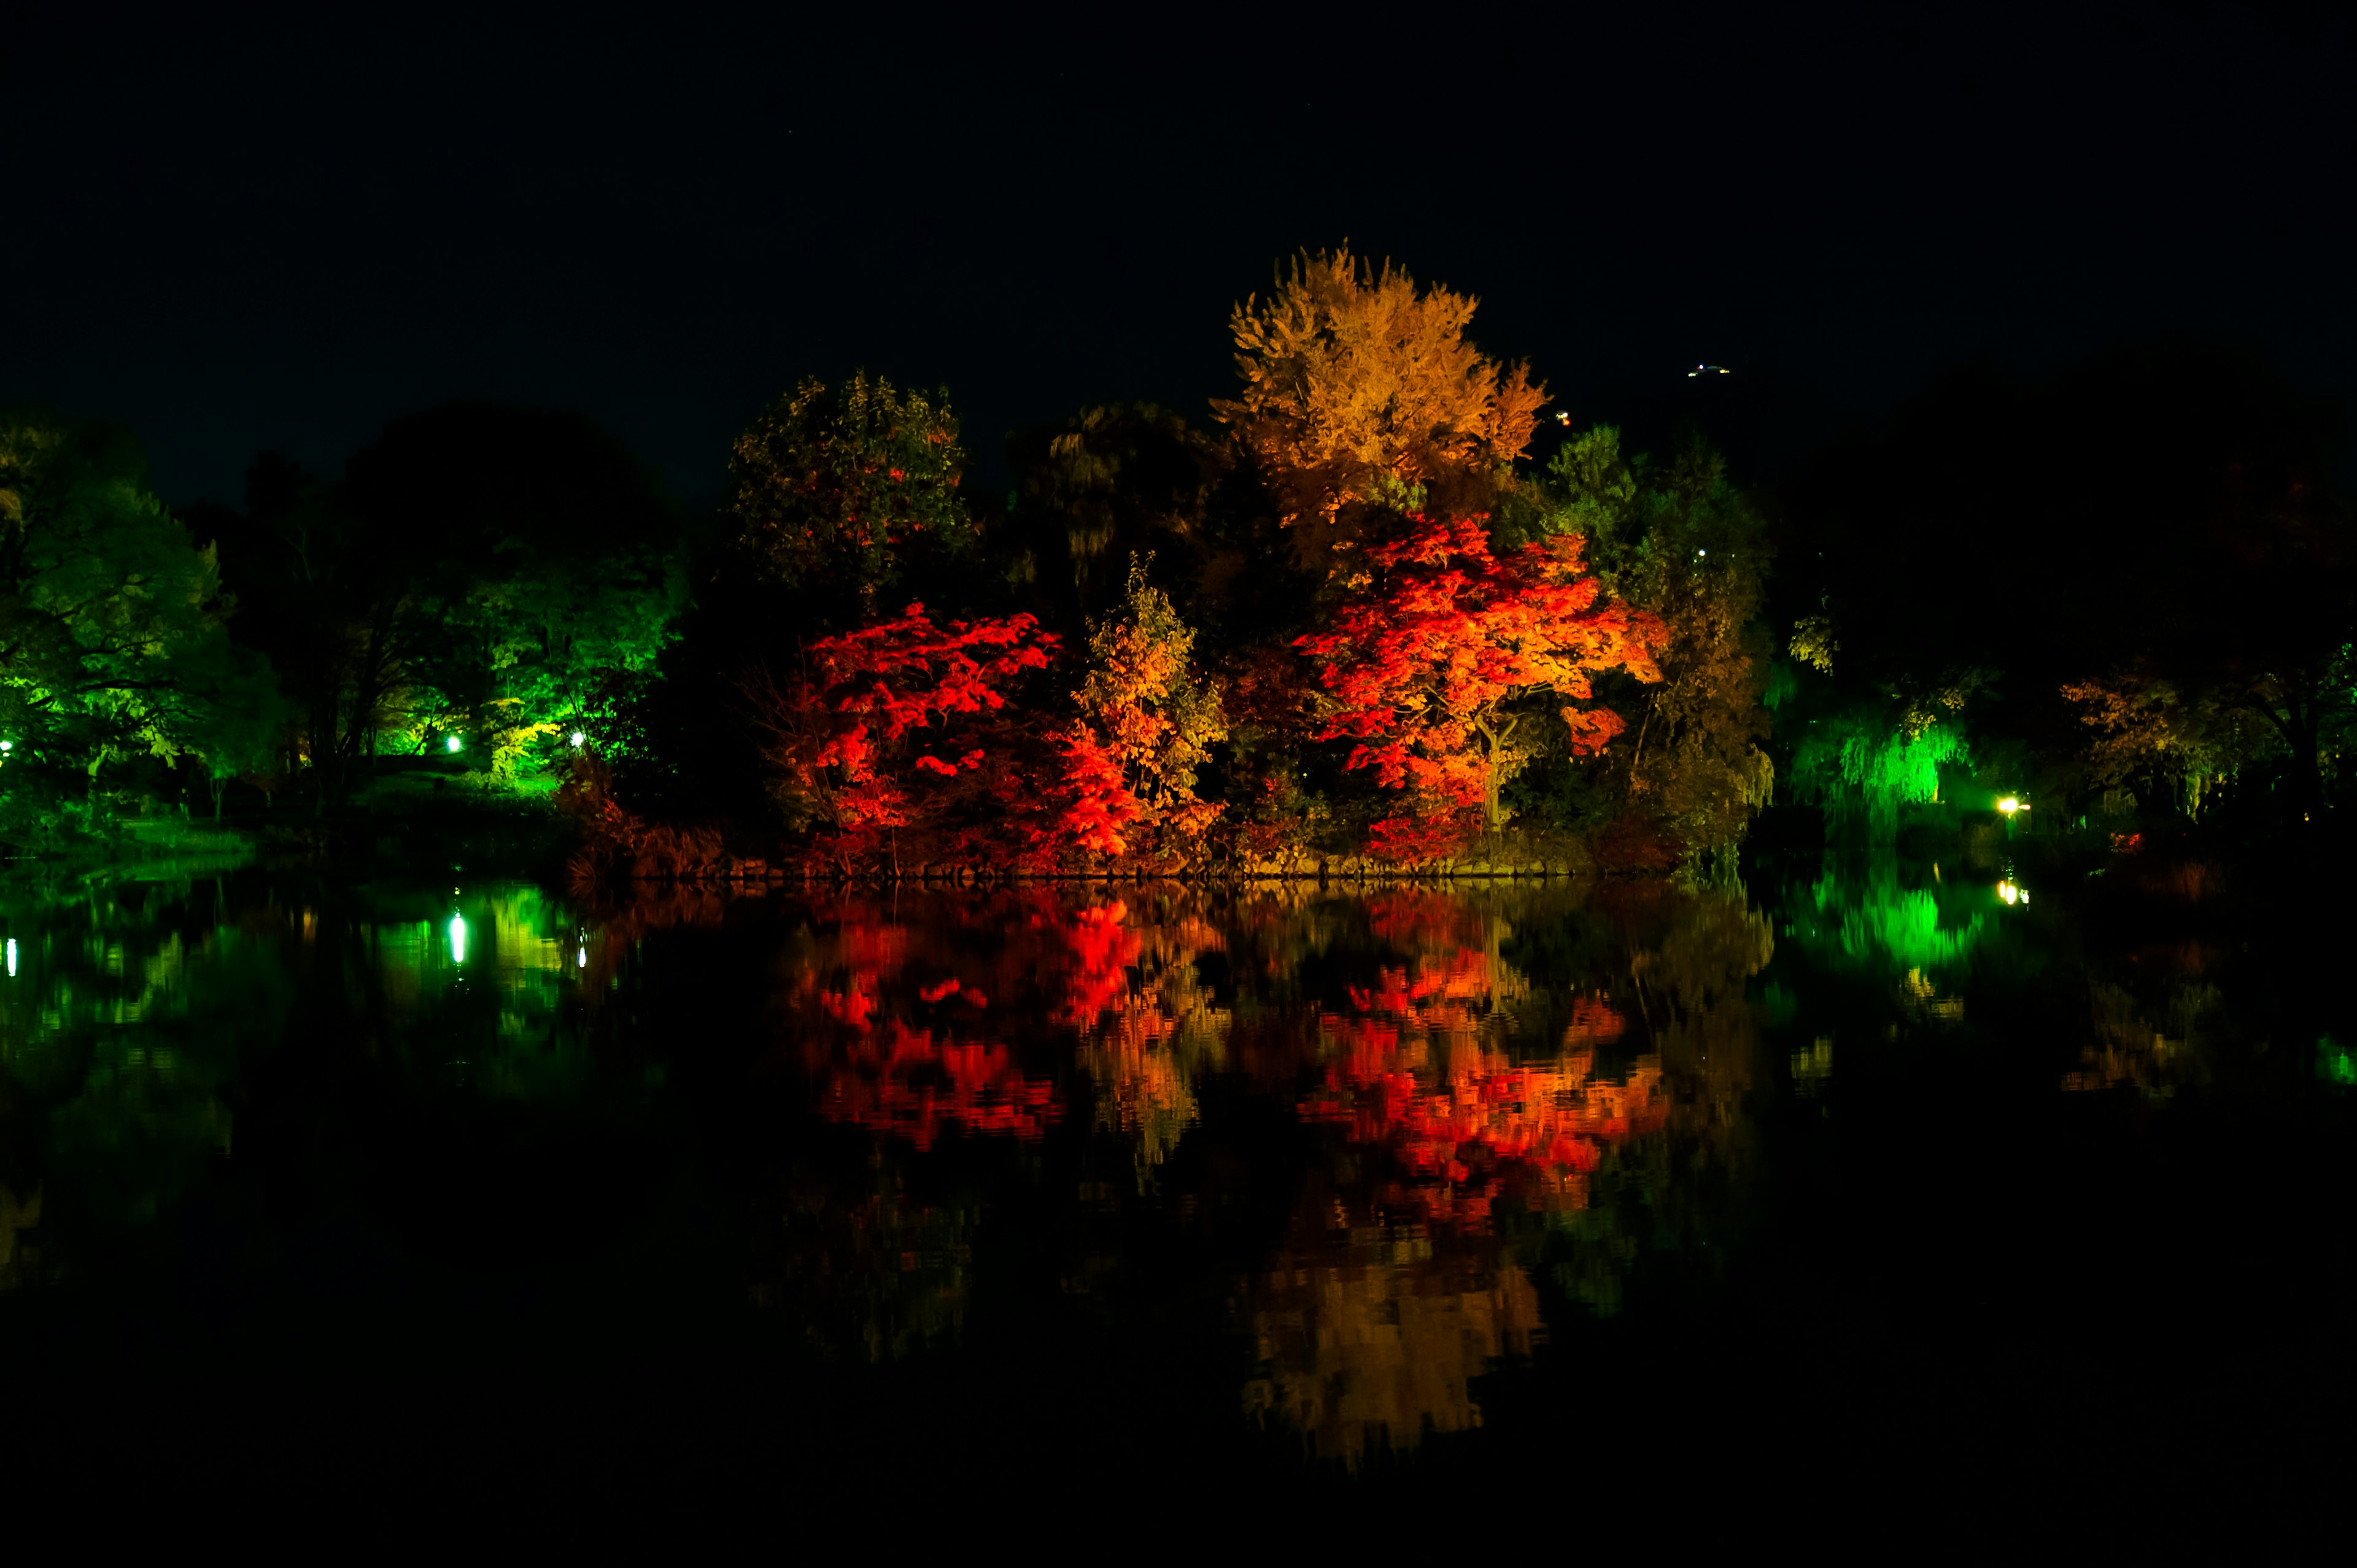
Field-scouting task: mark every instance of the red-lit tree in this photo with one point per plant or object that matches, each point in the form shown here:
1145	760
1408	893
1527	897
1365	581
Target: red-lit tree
895	737
1423	667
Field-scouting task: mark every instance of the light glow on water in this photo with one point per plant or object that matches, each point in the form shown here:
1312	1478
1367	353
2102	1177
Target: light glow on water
12	958
458	939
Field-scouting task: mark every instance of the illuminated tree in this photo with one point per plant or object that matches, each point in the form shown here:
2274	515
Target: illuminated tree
1356	382
1423	670
2149	732
845	489
1150	717
900	728
1683	543
113	644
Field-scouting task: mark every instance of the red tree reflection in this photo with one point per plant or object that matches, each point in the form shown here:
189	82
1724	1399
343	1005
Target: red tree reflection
1420	1075
904	1083
892	1025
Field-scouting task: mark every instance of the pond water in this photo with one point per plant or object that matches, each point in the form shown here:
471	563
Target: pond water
2009	1180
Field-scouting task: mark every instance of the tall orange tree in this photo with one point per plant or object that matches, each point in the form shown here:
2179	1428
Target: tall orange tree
1429	667
1355	381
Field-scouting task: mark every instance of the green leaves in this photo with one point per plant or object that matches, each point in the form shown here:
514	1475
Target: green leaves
112	643
844	487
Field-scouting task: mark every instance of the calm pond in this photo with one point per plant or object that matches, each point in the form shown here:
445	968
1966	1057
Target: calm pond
1971	1176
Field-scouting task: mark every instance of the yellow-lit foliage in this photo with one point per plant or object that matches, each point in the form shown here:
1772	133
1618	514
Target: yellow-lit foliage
1355	379
2146	728
1158	717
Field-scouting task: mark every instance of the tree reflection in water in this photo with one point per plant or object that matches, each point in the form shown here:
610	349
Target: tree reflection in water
1486	1131
1357	1169
136	1008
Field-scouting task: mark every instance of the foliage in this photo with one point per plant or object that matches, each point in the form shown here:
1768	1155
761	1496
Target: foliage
544	556
2148	732
844	489
1110	483
2149	519
1864	768
111	624
902	728
1687	547
1151	715
482	571
1424	670
1352	376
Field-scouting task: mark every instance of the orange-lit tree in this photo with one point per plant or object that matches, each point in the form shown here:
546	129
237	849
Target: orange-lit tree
1354	381
1148	721
1425	669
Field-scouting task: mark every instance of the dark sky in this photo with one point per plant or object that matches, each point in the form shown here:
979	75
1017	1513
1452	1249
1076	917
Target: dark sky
279	230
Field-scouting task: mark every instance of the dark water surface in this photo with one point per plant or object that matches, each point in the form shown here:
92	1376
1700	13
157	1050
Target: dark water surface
2006	1189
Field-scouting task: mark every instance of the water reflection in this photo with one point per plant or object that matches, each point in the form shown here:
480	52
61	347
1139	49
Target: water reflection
132	1009
1371	1148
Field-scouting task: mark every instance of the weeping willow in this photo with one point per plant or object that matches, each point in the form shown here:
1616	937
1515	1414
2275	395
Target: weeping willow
1861	771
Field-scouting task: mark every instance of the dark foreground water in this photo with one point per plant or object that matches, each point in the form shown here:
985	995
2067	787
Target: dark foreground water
2015	1193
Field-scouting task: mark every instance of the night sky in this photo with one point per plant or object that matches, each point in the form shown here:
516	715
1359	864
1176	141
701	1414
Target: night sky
278	231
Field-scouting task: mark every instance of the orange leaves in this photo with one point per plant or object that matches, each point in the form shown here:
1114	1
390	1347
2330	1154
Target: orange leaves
1420	667
1158	721
1352	375
1465	1122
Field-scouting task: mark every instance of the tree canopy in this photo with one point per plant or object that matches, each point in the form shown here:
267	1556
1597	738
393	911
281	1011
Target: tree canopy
1354	378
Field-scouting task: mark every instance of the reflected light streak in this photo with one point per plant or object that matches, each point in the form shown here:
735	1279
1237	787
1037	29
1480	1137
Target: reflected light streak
12	958
458	939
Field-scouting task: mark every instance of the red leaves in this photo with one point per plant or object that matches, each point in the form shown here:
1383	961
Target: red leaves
1419	668
1466	1124
857	743
1094	806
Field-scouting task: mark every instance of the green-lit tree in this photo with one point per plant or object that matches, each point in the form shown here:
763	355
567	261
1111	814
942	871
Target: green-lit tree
482	571
541	558
111	638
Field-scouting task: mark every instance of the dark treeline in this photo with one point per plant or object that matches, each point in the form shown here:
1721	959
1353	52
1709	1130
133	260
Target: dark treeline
1374	610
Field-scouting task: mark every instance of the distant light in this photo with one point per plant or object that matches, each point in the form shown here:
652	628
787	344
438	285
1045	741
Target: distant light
578	738
458	939
2008	892
2008	805
12	958
7	746
452	744
581	959
1701	551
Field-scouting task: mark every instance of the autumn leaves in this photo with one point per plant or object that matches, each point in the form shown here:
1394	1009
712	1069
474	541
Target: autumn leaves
1376	438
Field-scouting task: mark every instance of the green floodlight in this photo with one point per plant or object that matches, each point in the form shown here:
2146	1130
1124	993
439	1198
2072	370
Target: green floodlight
453	744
